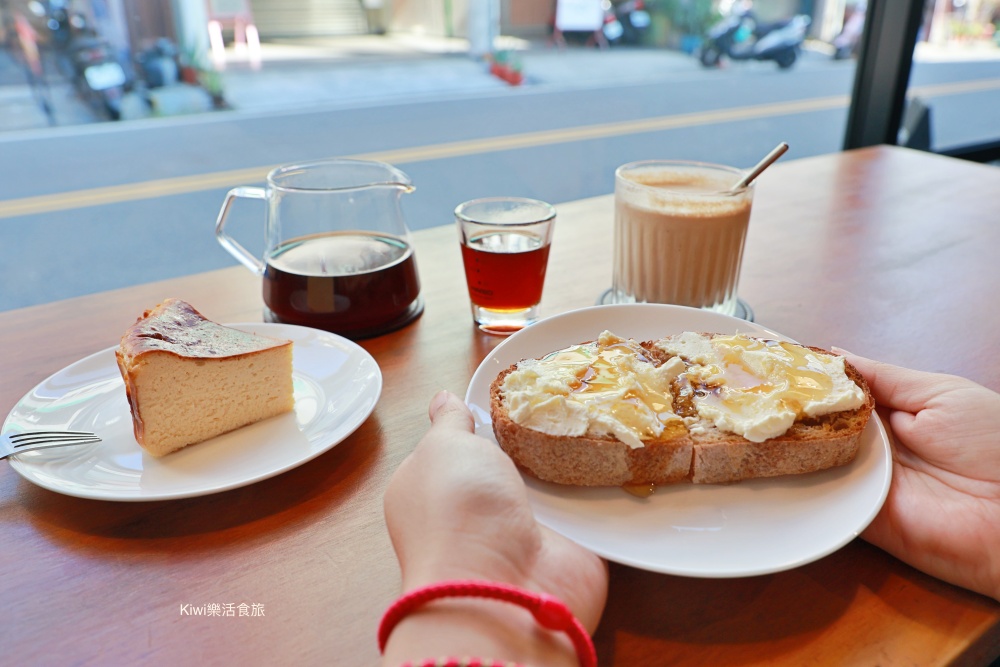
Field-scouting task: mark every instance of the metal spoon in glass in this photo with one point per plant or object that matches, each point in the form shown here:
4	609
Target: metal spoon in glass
778	151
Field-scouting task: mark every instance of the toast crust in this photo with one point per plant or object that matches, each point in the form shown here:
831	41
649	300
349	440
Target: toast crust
710	456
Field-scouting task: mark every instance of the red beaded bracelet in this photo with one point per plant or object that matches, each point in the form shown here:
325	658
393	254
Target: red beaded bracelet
550	612
460	662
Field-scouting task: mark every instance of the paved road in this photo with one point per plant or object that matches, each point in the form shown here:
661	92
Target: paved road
90	208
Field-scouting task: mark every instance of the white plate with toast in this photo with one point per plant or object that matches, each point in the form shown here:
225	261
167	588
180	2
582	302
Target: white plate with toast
750	528
336	386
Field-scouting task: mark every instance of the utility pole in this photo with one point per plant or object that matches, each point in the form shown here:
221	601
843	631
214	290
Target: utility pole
191	20
483	26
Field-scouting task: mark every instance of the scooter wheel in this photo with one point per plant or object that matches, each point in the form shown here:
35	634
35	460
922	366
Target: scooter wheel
785	59
710	57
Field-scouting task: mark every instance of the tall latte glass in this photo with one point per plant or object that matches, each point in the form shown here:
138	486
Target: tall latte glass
679	234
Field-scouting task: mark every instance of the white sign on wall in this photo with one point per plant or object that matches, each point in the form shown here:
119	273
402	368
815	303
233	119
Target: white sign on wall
579	15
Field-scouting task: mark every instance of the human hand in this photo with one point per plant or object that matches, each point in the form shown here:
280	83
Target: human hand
457	508
943	508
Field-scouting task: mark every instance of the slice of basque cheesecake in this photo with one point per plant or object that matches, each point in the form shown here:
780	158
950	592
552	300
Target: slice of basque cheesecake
189	379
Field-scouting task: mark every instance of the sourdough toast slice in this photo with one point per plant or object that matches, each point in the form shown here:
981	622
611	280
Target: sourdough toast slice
695	450
810	443
589	460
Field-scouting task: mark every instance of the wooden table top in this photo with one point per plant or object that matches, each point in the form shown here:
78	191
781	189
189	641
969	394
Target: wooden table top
886	252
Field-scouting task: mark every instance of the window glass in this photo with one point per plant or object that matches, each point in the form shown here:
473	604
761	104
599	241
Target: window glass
955	77
125	121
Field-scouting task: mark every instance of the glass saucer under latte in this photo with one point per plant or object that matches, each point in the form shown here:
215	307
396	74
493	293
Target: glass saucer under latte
743	310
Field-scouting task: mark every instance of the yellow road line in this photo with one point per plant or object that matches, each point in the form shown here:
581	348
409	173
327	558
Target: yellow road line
227	179
957	88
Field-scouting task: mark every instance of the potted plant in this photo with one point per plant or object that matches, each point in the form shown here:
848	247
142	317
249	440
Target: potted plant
687	21
211	81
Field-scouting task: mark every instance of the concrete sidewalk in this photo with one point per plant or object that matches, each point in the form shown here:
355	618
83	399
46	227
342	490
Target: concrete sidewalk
353	71
301	84
361	69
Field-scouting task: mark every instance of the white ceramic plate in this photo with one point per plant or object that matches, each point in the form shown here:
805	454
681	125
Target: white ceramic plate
754	527
336	384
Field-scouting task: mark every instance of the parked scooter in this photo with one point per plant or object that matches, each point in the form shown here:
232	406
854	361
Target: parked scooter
158	64
100	78
89	61
58	23
626	21
740	36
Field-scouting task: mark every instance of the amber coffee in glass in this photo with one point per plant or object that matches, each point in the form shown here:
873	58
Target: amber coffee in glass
505	249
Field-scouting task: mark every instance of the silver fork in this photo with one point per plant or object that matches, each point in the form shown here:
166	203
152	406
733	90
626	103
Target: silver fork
15	443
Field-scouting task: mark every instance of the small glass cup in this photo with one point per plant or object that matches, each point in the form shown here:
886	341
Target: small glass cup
505	249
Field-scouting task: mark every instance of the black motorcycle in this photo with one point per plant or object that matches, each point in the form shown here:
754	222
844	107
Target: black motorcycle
88	60
100	78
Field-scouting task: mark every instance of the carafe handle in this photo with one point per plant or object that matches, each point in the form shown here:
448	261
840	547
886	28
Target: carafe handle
227	241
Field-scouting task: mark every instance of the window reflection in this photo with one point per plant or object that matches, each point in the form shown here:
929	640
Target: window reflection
472	102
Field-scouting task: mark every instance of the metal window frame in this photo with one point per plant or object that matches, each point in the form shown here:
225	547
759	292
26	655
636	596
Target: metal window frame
883	72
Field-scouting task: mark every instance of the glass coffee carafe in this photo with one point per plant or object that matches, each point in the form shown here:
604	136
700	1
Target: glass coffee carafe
337	253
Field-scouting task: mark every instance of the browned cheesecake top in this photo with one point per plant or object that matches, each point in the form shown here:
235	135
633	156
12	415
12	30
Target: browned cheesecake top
174	326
